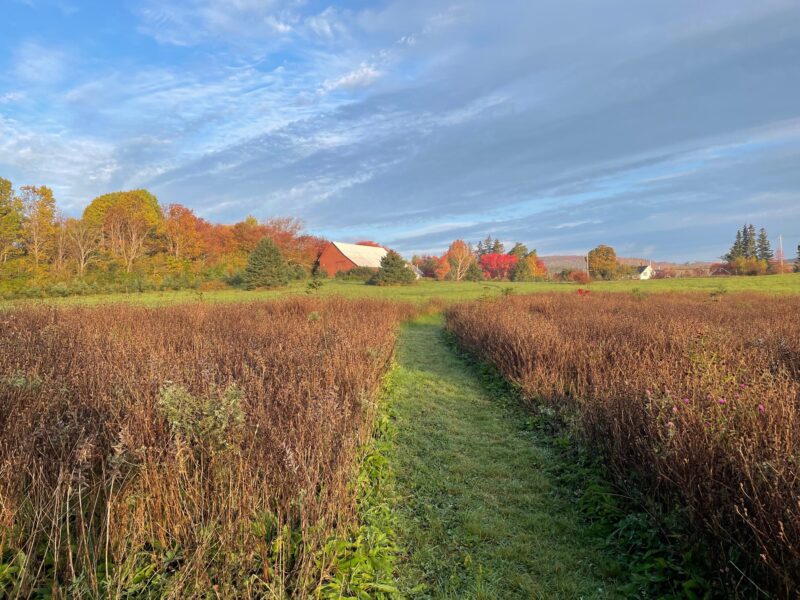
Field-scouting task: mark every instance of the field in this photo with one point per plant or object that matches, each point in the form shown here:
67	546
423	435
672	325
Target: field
287	444
691	400
169	452
447	291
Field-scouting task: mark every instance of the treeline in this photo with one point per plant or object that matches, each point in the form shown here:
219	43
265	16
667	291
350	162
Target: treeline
127	241
486	260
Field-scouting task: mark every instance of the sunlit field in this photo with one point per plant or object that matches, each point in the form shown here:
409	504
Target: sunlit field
690	400
448	291
165	452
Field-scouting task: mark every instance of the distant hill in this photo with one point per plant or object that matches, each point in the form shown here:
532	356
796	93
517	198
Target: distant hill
574	262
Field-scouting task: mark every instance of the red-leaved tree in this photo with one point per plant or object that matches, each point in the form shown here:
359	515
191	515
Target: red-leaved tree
497	266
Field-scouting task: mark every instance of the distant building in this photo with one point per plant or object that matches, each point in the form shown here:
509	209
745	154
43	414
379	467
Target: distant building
645	272
419	274
340	257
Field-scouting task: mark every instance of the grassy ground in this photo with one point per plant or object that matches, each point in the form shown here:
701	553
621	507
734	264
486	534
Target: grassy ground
448	291
481	515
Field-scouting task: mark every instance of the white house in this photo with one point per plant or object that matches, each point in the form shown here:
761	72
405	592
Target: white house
645	272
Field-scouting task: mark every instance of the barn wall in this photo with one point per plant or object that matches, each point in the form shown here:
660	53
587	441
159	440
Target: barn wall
333	261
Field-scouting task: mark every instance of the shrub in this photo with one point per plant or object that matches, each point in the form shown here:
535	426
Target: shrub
581	277
356	274
167	452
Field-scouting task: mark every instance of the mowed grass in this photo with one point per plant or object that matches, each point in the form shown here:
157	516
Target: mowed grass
481	515
447	291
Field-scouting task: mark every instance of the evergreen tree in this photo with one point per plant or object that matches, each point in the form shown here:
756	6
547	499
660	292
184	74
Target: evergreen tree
750	242
474	272
484	247
745	241
393	271
737	250
522	270
797	260
519	250
497	247
266	266
763	249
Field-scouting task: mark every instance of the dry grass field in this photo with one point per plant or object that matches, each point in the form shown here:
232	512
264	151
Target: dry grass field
183	451
693	400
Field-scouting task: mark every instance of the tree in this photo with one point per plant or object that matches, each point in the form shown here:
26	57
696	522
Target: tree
11	232
426	264
393	271
519	250
83	242
763	249
128	221
749	241
39	213
797	260
442	268
474	272
183	232
529	268
498	247
266	266
459	256
737	249
603	262
497	266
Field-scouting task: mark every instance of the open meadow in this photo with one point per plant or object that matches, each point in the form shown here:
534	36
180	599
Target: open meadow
283	444
426	290
176	451
691	401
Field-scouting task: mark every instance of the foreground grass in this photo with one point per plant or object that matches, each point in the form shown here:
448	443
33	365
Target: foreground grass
447	291
481	515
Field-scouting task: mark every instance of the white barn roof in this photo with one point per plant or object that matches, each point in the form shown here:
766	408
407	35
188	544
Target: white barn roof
362	256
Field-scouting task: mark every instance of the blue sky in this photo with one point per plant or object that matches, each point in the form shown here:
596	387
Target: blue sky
656	127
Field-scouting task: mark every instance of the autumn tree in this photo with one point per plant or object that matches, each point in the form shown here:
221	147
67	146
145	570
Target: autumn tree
83	242
60	250
529	268
459	256
11	214
248	234
39	226
266	266
497	266
128	220
442	268
426	264
183	232
603	262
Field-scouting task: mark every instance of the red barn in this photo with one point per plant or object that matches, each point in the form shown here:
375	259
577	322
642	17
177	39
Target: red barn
338	256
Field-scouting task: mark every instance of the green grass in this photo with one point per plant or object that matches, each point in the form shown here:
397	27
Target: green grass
447	291
481	513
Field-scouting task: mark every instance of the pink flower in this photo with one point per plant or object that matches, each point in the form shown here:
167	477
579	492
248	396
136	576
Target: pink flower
742	386
686	401
674	409
761	408
722	401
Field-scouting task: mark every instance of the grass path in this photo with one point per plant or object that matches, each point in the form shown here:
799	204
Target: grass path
481	516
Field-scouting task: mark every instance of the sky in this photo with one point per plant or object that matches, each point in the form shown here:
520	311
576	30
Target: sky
656	127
